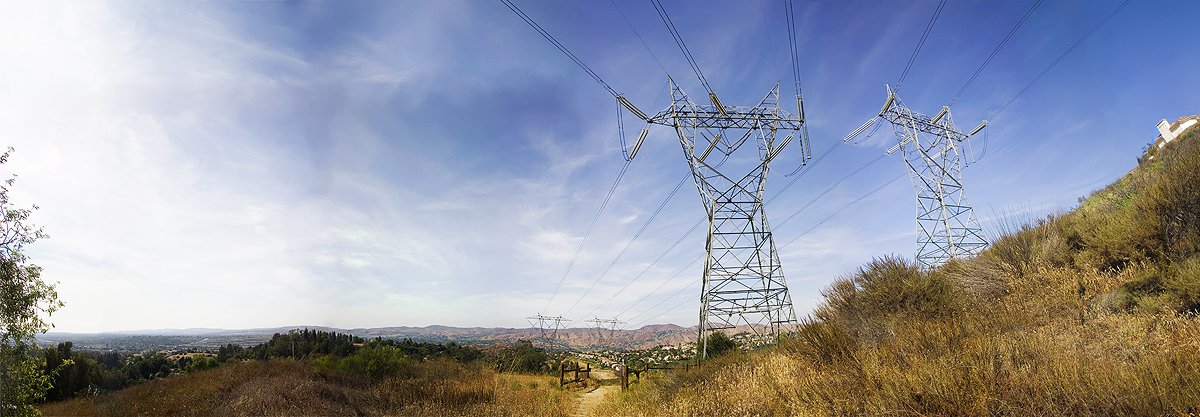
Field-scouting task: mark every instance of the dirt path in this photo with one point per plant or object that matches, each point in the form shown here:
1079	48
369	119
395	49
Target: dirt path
588	401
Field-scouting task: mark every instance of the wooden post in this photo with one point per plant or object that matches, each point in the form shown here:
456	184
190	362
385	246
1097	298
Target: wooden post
624	377
561	373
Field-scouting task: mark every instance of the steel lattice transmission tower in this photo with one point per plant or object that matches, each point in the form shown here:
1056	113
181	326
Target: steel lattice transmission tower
743	280
604	327
548	324
946	224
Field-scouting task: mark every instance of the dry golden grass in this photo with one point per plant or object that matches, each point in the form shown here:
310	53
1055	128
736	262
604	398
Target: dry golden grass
286	387
1039	348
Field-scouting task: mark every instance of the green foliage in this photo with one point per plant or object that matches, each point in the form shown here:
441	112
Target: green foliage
718	343
373	362
73	373
197	363
426	350
24	381
24	298
523	357
297	344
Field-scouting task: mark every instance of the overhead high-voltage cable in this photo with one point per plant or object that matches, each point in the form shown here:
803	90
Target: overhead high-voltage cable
685	268
587	234
793	48
995	51
831	187
626	249
676	294
620	99
780	224
639	36
639	233
797	178
660	257
662	13
928	28
1048	68
839	211
1060	57
559	45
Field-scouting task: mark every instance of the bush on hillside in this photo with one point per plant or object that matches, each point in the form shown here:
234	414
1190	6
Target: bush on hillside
718	343
887	289
523	358
373	362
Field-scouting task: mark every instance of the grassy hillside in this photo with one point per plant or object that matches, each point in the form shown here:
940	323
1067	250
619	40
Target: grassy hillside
287	387
1091	312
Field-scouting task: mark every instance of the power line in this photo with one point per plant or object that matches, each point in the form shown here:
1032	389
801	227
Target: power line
654	291
831	187
996	51
924	36
839	211
1060	58
664	311
660	257
626	249
559	45
662	13
588	233
635	32
770	42
681	290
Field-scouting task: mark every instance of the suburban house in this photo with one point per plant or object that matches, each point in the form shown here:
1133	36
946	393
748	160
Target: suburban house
1170	131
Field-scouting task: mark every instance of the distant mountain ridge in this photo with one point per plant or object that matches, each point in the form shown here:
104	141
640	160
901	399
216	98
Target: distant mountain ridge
574	338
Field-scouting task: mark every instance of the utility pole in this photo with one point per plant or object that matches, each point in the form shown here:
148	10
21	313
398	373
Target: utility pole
931	146
743	280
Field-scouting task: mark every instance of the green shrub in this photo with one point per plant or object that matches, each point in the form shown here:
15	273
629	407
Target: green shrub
370	362
718	343
522	357
201	363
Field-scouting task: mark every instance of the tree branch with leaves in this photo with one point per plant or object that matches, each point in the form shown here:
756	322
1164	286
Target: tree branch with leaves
26	302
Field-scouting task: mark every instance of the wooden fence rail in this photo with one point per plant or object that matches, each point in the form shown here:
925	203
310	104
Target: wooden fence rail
624	371
573	367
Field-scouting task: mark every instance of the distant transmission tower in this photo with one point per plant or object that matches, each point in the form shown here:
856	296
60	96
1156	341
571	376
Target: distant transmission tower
946	224
548	324
743	279
605	327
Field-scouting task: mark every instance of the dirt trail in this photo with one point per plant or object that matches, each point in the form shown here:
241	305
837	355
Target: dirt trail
589	400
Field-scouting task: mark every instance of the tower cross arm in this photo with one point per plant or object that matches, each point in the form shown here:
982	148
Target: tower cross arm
739	117
944	128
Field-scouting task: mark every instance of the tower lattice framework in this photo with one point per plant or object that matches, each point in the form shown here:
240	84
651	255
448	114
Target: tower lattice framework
743	281
931	146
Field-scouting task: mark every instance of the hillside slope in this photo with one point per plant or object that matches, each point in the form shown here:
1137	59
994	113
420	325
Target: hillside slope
295	388
1091	312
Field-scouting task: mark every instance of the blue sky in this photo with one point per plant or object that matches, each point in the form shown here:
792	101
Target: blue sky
367	164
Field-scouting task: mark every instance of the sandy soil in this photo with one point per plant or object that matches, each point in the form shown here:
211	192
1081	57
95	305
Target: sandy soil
589	400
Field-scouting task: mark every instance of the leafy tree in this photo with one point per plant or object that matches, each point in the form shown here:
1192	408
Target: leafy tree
24	297
523	357
719	343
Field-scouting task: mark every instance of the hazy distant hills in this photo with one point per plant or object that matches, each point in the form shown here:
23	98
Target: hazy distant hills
207	338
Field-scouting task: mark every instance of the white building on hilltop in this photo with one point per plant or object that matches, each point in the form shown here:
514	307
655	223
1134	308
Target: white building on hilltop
1170	131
